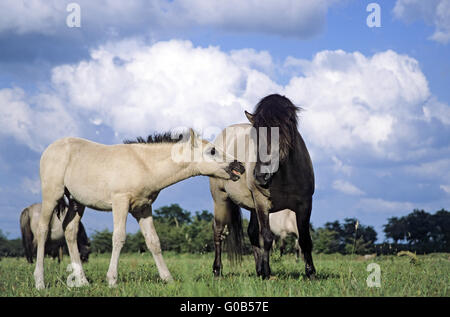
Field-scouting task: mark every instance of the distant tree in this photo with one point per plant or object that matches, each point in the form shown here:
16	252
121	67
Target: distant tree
441	230
101	241
423	232
135	242
172	215
10	248
205	215
345	238
419	227
396	229
199	233
326	241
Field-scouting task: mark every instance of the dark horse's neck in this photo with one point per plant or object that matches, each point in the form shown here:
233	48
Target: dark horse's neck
294	180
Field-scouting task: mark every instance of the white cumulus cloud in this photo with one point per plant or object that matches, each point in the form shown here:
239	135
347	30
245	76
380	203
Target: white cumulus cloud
434	12
347	188
353	101
165	85
284	17
36	120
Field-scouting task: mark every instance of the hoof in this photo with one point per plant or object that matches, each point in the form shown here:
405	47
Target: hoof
217	273
310	272
112	283
167	278
40	285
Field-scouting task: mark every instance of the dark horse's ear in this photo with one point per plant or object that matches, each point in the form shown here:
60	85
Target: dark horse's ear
192	138
249	116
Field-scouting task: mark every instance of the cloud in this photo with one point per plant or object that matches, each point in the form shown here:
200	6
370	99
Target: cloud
379	205
445	188
360	102
165	85
434	12
347	188
31	16
31	185
285	17
340	167
34	120
377	107
434	109
431	170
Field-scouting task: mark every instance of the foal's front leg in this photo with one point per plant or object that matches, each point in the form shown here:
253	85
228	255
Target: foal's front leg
120	206
145	220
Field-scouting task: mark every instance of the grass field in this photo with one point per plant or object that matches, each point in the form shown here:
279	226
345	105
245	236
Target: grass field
337	276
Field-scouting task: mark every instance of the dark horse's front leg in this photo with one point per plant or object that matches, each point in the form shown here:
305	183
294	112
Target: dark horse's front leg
261	239
303	214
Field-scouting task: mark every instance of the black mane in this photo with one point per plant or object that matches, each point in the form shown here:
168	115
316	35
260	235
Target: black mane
278	111
166	137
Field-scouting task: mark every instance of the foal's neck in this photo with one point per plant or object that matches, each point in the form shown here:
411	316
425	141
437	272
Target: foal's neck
165	170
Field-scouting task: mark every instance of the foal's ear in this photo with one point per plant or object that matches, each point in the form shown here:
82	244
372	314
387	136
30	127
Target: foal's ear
192	138
249	116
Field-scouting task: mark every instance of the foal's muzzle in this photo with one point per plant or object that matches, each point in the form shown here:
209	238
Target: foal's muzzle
235	170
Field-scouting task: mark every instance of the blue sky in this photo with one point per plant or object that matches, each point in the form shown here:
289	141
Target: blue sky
376	100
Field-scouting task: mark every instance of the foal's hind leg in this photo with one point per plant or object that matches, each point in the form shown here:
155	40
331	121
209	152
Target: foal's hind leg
145	220
48	205
70	225
303	214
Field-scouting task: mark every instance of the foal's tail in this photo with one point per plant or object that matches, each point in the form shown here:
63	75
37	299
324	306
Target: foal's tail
234	242
27	234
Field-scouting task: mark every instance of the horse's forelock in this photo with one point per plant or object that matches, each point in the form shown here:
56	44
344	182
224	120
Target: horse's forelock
278	111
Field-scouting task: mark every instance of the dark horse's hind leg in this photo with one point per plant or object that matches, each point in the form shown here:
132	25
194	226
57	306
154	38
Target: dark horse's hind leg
218	229
303	214
226	218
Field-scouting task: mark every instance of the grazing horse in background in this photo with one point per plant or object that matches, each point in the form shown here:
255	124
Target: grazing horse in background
282	224
29	219
283	179
123	178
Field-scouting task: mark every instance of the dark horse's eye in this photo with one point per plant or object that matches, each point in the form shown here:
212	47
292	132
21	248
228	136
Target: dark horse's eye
213	151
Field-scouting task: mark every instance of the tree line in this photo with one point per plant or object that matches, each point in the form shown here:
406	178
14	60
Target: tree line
181	231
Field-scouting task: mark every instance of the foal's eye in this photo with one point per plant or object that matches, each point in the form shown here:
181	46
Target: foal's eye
213	151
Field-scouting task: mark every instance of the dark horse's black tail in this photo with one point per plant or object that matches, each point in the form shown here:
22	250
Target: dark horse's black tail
234	241
27	234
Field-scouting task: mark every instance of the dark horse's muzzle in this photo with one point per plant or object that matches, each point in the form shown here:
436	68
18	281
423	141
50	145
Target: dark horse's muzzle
235	169
262	179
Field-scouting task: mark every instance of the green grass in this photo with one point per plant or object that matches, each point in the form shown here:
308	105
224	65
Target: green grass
337	275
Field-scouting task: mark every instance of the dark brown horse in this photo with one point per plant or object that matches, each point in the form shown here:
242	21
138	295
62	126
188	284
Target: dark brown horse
279	175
